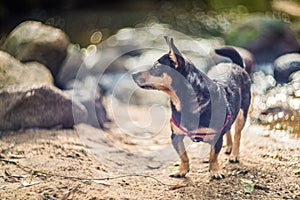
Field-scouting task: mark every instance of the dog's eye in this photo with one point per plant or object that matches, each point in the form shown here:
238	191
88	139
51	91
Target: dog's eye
156	68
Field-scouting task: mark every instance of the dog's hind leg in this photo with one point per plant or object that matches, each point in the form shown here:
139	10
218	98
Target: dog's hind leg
238	126
184	168
228	142
214	167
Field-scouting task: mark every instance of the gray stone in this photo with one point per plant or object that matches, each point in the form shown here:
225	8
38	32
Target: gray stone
285	65
34	41
266	38
262	82
13	72
295	77
38	106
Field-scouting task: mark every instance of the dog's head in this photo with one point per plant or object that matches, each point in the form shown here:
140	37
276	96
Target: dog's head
161	75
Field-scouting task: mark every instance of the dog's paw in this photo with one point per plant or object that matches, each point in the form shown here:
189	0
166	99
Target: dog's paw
218	175
178	174
234	159
228	150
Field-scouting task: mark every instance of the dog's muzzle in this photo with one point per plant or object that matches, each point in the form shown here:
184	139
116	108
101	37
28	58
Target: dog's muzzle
138	79
141	80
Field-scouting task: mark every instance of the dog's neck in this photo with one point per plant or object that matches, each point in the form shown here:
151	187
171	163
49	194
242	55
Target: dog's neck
191	101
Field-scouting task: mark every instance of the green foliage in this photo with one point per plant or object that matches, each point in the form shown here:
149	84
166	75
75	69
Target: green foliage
297	172
249	188
242	37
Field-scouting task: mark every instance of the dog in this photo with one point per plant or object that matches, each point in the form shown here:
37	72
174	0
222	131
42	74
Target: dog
204	106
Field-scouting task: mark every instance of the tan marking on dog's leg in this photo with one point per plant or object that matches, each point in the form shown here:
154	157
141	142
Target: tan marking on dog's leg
184	166
239	125
214	167
228	142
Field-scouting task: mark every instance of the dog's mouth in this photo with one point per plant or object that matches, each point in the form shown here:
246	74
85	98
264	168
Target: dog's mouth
147	87
143	85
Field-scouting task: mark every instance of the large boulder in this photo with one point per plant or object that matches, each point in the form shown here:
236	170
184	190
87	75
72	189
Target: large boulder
13	72
295	77
285	65
34	41
38	106
266	38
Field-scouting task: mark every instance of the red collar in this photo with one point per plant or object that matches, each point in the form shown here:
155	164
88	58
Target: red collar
194	136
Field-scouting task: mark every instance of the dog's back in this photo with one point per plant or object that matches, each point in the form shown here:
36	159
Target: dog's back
234	77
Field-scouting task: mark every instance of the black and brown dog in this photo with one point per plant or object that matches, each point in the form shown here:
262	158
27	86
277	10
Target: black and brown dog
204	106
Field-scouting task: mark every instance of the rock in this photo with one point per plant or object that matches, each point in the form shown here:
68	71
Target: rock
72	68
278	107
266	38
37	106
295	77
34	41
261	83
295	83
285	65
266	68
13	72
90	95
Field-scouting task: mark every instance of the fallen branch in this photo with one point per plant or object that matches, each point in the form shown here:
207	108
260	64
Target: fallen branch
32	172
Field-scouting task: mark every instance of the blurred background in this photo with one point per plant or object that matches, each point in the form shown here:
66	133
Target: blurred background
80	19
265	29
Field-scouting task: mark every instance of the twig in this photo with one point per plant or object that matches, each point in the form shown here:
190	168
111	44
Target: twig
71	192
44	173
9	161
294	163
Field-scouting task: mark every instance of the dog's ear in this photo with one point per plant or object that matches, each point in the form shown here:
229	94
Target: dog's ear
174	54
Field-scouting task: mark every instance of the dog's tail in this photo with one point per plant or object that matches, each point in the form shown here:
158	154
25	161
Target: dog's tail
231	53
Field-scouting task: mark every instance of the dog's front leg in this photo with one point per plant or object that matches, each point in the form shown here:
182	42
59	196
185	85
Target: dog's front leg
214	167
184	167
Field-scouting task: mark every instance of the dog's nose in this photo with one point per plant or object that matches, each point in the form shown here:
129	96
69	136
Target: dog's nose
137	78
135	75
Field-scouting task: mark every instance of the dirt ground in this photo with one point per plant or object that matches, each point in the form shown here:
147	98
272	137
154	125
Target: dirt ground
88	163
